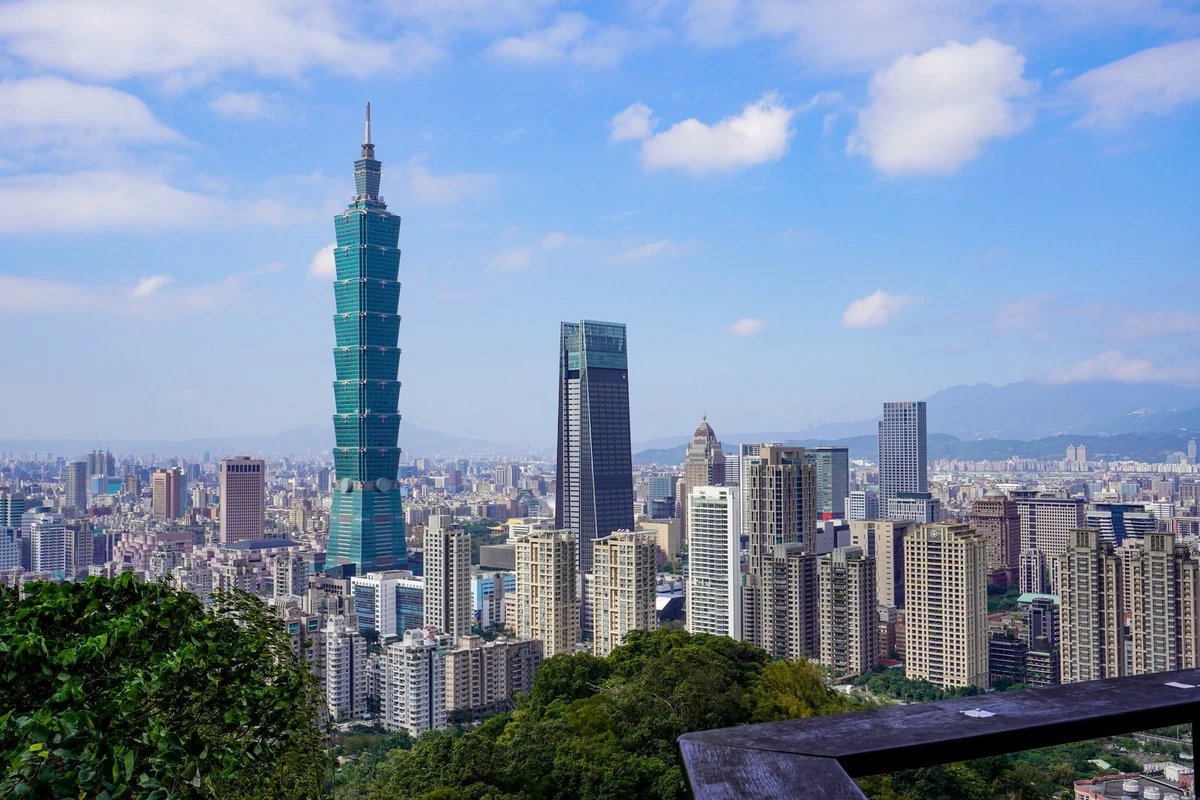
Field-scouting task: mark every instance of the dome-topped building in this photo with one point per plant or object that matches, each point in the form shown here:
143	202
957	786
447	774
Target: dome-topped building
704	464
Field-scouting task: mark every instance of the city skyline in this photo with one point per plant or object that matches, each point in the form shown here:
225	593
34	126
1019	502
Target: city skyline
194	180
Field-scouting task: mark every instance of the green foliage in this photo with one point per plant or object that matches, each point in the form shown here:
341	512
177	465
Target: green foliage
893	683
1002	599
120	689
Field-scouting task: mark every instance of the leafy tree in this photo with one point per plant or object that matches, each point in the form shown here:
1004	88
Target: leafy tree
121	689
793	689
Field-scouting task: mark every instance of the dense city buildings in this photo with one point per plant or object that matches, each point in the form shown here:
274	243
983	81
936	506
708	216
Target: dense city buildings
995	516
447	577
1047	521
862	504
595	461
623	568
243	499
849	628
483	677
547	604
903	455
883	541
714	562
945	584
366	525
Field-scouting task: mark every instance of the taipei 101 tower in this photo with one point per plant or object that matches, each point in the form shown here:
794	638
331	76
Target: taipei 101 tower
366	526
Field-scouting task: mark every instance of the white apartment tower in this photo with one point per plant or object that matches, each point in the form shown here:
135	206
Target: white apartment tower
345	670
243	499
903	457
47	542
447	577
547	601
849	620
714	557
945	581
623	569
413	682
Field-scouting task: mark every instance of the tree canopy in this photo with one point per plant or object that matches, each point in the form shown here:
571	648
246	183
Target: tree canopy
121	689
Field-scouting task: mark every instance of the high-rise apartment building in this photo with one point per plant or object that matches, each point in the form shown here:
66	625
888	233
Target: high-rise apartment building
1163	603
390	602
1092	624
48	542
547	601
482	677
1046	525
833	479
704	464
413	682
862	504
166	500
995	516
849	620
345	670
660	496
945	584
289	576
595	461
903	456
75	487
447	577
623	571
12	506
779	591
366	523
243	499
714	562
883	541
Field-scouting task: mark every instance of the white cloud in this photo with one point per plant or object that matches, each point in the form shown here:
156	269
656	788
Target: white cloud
746	326
1116	366
1153	81
511	260
931	113
758	135
447	16
520	258
662	247
187	43
426	189
246	105
148	286
874	310
635	122
1020	314
53	115
323	264
1160	322
571	38
100	200
556	241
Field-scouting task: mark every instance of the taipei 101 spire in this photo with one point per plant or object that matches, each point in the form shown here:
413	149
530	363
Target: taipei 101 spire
366	526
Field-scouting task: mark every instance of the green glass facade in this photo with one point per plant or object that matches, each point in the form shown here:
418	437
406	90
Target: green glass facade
366	527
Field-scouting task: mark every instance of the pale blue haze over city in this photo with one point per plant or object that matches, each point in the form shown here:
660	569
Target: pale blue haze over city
800	209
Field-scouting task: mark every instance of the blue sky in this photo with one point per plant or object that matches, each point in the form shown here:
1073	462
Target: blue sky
800	209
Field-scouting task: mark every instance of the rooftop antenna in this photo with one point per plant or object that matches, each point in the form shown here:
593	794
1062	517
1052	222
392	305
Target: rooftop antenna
368	139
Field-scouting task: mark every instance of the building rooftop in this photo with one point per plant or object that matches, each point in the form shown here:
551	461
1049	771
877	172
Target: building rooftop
260	544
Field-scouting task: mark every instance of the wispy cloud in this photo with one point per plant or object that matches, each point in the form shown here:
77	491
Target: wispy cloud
874	310
571	38
521	258
746	326
642	252
1028	312
424	188
322	264
1116	366
1153	81
247	105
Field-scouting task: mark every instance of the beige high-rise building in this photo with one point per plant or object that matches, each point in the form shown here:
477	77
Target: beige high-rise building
704	464
779	591
1163	609
623	568
995	516
166	498
547	599
883	540
945	581
1046	524
243	499
447	598
849	619
1091	624
483	676
668	535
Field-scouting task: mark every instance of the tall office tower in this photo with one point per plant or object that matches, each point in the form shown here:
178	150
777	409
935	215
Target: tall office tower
10	547
1031	566
243	499
862	504
995	516
366	522
1120	521
1165	604
12	506
849	620
1081	454
624	568
779	592
47	542
1191	451
1047	523
595	462
413	684
833	479
733	471
920	507
714	590
883	541
1070	454
389	602
166	501
704	464
660	496
483	676
1092	624
547	602
447	577
100	464
345	670
945	582
903	459
75	487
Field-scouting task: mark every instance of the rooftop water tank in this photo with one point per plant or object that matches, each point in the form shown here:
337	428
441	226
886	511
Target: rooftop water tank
1152	793
1130	786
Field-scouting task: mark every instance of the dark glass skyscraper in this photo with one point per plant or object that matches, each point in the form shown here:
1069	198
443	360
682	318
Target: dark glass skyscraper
366	526
595	461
